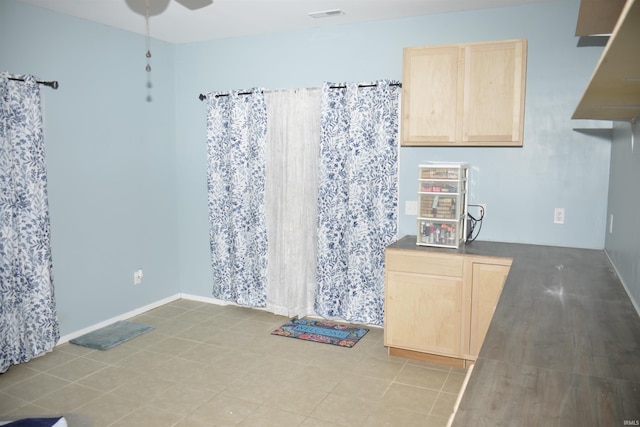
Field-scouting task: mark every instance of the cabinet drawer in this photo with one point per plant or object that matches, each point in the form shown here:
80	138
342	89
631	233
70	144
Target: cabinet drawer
424	263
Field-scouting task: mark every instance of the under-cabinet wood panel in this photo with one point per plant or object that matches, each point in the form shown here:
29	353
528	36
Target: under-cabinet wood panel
424	313
487	283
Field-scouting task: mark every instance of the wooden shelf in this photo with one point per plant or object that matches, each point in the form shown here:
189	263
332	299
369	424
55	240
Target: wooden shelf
614	90
597	17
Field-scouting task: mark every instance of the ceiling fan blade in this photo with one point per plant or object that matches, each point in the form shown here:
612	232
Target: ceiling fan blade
156	7
195	4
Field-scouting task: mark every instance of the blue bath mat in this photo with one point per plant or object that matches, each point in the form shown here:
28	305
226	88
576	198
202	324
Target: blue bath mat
112	335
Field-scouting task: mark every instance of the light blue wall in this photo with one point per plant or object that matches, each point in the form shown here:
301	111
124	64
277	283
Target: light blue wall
110	159
623	243
127	178
557	167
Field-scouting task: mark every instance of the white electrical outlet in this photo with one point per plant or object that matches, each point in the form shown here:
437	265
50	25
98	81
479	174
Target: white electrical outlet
558	216
137	277
611	224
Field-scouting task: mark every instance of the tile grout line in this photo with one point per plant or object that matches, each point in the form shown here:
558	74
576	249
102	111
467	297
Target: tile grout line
170	333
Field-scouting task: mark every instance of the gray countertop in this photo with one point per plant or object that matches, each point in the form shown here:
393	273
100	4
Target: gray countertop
563	348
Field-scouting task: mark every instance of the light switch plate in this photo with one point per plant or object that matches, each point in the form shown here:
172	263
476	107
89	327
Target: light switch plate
411	207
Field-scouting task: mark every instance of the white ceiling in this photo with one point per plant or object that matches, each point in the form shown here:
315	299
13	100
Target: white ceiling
233	18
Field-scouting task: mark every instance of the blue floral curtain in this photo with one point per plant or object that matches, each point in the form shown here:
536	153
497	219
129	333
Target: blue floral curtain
28	322
358	197
236	139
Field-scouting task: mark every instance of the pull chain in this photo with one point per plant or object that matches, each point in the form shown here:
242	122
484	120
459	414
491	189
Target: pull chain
148	54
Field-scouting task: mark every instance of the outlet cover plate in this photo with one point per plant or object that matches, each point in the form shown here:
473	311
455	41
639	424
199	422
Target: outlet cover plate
411	207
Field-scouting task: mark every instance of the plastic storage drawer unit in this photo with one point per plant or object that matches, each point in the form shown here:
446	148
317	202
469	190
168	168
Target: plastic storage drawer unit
442	204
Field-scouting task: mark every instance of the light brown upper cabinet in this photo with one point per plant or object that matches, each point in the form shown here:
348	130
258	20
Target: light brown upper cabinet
464	95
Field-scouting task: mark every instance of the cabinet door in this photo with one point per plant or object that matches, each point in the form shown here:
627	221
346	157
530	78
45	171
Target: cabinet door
494	87
423	313
487	283
431	95
464	95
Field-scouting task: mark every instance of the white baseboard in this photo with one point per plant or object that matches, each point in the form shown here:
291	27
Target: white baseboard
66	338
216	301
270	309
624	285
206	299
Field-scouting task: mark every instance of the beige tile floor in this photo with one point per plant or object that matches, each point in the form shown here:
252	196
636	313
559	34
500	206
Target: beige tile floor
210	365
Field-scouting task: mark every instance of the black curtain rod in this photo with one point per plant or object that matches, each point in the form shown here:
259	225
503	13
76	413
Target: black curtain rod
371	85
202	97
52	84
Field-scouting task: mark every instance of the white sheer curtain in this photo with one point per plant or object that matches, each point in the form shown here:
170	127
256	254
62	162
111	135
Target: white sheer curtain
291	190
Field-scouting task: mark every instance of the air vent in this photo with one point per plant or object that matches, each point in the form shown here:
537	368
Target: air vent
326	13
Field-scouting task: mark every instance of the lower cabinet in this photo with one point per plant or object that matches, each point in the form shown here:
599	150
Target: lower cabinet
486	287
438	306
424	313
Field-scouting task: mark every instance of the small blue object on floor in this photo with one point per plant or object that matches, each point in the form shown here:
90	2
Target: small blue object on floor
112	335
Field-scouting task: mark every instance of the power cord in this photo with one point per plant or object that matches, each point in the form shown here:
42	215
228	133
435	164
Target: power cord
473	222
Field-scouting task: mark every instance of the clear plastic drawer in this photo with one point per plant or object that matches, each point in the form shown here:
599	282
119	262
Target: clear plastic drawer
440	172
446	234
434	186
438	206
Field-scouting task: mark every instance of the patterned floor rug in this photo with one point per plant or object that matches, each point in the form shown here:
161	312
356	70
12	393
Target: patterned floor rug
321	331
